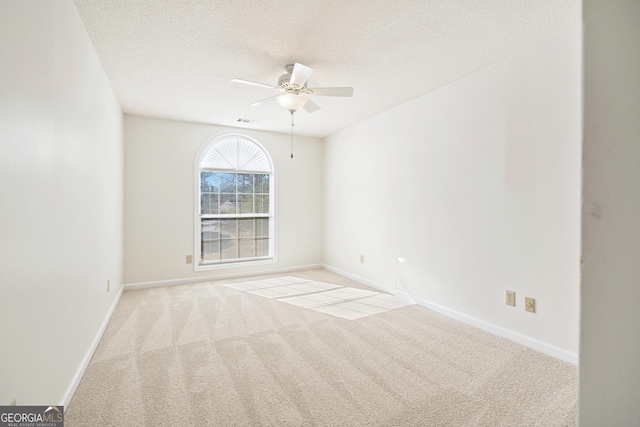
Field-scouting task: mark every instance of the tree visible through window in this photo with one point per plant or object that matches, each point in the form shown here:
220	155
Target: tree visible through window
235	202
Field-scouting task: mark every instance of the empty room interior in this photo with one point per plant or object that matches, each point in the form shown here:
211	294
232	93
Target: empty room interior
321	213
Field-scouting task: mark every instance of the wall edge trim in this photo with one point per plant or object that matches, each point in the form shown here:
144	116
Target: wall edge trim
84	364
359	279
158	283
527	341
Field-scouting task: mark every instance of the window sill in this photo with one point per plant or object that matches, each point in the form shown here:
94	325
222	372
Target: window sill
234	264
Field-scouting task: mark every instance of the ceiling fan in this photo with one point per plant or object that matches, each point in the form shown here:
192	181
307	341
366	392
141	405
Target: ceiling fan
294	85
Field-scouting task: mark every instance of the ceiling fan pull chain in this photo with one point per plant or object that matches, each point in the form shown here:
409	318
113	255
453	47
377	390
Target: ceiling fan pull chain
292	134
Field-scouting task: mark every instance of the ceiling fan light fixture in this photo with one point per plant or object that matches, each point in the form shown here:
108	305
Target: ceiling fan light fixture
291	101
292	87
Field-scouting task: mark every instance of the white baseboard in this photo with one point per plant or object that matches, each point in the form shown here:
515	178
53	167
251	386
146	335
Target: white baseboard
396	292
535	344
359	279
541	346
404	295
143	285
71	390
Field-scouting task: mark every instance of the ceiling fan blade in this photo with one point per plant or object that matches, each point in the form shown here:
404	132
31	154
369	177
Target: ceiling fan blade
248	82
264	101
311	106
332	91
300	74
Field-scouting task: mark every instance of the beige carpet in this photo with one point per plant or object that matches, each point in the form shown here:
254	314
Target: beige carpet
204	354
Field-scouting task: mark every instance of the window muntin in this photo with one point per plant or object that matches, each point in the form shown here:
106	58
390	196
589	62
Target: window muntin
235	204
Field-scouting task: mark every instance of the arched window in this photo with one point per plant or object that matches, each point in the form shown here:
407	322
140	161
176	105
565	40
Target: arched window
235	219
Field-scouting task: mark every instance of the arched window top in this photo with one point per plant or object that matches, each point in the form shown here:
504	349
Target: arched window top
235	153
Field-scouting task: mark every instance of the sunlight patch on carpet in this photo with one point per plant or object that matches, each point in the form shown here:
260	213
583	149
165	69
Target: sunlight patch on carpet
345	302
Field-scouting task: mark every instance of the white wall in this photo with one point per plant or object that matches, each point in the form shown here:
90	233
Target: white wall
477	186
610	330
61	194
160	156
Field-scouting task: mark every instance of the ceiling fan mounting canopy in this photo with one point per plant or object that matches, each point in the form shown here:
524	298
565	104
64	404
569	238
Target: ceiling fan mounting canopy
294	85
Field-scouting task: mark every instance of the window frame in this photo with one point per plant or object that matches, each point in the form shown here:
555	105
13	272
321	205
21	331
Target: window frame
271	258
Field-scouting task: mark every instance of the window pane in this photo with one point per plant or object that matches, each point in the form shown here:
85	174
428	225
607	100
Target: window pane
245	183
245	203
209	203
210	251
227	182
262	227
262	183
229	248
228	228
209	240
247	248
210	225
246	228
262	247
262	203
227	203
209	182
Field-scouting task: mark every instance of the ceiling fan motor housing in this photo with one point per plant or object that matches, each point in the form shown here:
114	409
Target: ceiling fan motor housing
285	79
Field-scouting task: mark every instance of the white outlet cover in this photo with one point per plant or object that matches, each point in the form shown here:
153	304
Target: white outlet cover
510	298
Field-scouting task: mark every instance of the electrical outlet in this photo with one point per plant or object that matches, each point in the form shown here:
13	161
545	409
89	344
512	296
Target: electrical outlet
361	259
530	304
189	259
108	285
510	298
13	402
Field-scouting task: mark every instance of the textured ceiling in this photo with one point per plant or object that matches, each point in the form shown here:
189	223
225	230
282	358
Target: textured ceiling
175	58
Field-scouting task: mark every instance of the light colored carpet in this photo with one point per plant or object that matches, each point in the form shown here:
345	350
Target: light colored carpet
204	354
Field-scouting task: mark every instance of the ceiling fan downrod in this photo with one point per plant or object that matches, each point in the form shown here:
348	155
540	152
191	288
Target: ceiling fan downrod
292	133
